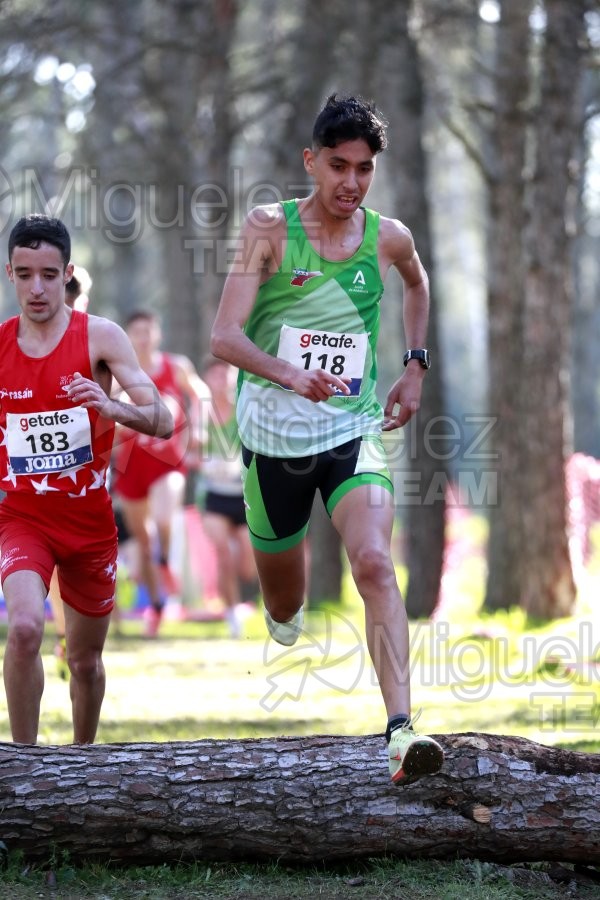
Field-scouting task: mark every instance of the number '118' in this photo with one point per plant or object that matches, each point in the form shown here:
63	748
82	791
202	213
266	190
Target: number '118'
337	363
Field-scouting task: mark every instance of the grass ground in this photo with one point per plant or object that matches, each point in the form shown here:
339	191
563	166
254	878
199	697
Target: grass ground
469	673
380	879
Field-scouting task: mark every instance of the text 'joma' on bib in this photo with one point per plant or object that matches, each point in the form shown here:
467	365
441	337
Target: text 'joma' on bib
50	441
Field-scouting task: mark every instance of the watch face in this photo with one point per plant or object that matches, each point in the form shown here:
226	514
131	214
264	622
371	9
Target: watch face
421	355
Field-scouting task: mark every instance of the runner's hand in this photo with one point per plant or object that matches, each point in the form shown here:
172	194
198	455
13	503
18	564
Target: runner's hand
317	384
87	393
403	401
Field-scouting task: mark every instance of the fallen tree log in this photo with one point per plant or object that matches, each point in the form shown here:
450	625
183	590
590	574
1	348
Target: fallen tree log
298	800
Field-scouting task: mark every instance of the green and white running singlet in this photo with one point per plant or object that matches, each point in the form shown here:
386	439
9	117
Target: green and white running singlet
315	313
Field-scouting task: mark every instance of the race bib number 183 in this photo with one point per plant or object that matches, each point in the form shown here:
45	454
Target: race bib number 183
49	441
339	354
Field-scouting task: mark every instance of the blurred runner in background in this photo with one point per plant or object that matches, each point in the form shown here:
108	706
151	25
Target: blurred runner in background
149	476
222	497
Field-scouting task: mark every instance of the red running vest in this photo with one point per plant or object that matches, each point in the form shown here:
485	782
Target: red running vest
49	444
170	451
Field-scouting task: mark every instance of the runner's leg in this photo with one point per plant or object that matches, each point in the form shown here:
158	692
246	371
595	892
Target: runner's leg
282	579
58	617
24	595
56	603
364	518
85	641
166	499
141	528
220	531
246	562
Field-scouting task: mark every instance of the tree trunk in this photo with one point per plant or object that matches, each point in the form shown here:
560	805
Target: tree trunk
319	25
305	89
585	360
391	72
180	312
548	588
216	141
424	522
192	159
506	302
297	800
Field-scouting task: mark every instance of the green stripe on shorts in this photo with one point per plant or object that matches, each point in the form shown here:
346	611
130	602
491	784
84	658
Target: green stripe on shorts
276	545
356	481
256	514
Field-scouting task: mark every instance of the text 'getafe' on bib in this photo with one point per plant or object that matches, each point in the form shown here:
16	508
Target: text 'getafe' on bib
50	441
339	354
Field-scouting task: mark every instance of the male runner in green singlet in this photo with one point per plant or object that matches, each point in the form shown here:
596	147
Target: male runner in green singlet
299	316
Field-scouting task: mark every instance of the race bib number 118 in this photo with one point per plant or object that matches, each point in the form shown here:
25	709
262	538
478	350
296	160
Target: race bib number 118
339	354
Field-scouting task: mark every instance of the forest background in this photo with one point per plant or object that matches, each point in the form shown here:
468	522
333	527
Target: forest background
152	127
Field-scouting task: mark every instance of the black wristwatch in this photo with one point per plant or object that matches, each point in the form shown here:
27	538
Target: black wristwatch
421	355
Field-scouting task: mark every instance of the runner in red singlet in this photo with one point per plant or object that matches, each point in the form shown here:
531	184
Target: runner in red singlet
57	424
149	475
76	297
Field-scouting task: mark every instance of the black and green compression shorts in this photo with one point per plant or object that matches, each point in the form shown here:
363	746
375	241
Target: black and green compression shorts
279	491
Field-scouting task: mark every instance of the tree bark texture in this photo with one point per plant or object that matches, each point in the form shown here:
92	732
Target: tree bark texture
394	69
506	302
297	800
312	51
548	587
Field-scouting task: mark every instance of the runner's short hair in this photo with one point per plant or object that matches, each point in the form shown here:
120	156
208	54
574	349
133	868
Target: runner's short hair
350	119
34	229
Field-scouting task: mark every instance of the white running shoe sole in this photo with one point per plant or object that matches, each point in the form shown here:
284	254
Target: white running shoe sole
286	633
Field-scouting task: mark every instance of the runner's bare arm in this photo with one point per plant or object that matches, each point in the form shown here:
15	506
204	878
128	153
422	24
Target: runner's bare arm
112	355
260	248
199	399
398	250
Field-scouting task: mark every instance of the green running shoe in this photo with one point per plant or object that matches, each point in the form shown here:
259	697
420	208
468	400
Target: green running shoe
413	755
